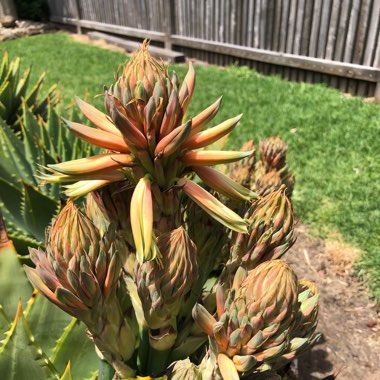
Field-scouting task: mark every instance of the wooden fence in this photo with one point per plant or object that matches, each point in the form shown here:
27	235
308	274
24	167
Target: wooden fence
331	41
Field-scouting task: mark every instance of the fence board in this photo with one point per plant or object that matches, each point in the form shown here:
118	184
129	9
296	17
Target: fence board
335	41
374	25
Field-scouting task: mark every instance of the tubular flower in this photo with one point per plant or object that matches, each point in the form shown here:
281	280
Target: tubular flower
185	369
271	232
255	321
212	206
163	288
96	214
80	274
142	221
113	202
145	133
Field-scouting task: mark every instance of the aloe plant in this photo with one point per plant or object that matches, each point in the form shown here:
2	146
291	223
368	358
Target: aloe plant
31	134
39	341
28	207
268	173
15	88
138	267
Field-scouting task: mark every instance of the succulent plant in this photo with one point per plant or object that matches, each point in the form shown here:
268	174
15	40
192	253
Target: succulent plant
256	326
243	171
144	257
177	271
151	148
80	273
268	173
39	340
271	232
27	207
15	90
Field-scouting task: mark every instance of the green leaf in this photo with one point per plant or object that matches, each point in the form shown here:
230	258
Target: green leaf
38	210
53	126
9	176
33	94
22	85
3	110
5	323
13	283
12	154
20	355
75	346
46	142
4	66
47	322
67	374
22	242
106	371
64	146
31	131
50	97
4	97
11	196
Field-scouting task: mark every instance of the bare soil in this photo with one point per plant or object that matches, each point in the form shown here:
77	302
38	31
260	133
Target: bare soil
24	28
83	38
348	320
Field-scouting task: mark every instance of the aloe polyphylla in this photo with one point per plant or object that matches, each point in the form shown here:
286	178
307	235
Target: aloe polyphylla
155	243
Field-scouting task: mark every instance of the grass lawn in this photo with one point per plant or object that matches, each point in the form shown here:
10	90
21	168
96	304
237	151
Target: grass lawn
334	142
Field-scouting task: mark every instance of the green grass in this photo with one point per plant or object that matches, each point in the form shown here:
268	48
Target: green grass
334	142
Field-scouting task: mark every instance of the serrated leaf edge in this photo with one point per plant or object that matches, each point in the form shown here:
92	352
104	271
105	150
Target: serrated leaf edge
32	340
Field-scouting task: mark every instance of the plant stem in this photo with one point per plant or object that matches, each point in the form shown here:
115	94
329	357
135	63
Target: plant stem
143	351
157	361
106	371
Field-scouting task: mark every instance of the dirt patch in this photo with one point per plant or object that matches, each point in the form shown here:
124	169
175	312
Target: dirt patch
348	319
83	38
23	28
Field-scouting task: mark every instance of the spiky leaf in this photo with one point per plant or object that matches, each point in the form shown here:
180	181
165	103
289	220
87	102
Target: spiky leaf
46	321
38	210
21	356
13	282
75	346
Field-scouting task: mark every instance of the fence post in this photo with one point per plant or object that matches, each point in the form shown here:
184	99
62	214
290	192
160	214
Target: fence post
77	15
169	27
7	8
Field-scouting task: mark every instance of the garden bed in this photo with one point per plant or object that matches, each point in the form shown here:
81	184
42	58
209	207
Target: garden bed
348	319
